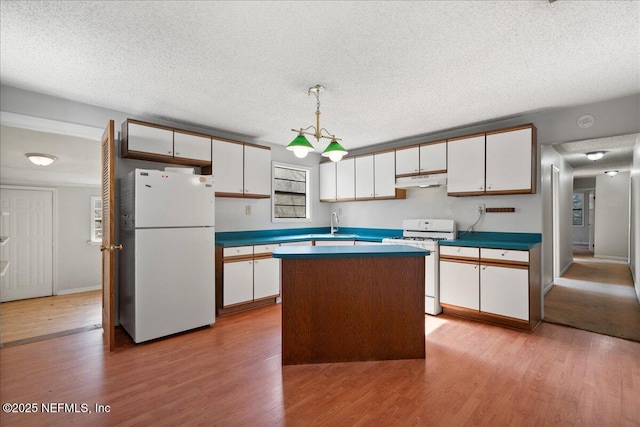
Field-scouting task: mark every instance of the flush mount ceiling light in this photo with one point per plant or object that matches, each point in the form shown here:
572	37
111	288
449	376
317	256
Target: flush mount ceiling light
611	173
301	145
595	155
41	159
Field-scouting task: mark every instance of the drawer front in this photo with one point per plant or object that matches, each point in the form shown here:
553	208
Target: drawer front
504	255
264	249
305	243
237	251
460	251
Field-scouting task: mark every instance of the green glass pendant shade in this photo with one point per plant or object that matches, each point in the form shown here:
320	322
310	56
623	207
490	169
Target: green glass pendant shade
300	146
334	151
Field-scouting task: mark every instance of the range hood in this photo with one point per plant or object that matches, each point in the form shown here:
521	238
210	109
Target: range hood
435	180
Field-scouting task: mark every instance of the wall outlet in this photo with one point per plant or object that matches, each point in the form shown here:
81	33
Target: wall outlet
247	210
480	208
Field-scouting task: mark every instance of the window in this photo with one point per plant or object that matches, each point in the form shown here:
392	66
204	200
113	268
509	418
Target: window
290	200
96	219
578	209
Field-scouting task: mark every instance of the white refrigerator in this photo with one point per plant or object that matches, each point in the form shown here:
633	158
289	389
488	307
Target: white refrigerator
167	268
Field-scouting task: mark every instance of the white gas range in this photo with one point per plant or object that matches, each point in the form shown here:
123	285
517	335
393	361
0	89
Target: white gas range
425	234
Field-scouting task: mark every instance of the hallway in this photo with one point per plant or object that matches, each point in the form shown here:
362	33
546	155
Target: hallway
595	295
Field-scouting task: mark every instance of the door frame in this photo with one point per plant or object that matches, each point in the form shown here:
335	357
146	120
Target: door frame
54	227
555	221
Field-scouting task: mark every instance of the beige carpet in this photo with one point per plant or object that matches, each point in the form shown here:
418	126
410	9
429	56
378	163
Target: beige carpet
595	296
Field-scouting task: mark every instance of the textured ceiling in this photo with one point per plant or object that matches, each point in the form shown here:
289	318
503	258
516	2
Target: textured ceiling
78	158
618	154
393	70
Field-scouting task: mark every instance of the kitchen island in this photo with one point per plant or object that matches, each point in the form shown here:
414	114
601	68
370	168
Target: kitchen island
352	303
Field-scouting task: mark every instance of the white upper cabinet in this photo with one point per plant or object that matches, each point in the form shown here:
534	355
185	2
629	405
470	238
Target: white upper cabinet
364	177
465	165
241	170
408	161
156	143
499	162
191	146
257	171
346	179
433	158
510	161
328	181
149	139
385	174
228	167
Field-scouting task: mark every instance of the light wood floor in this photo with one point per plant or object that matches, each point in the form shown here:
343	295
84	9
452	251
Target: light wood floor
597	296
39	318
231	375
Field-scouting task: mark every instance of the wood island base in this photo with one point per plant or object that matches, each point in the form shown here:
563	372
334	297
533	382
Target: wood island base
352	309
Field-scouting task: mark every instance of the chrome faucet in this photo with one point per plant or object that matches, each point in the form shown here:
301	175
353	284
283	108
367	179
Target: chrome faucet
334	228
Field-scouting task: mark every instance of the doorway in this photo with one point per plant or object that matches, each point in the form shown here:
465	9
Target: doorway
70	181
590	293
555	207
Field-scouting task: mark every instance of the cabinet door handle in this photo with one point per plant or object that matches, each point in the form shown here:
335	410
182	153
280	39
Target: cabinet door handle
475	267
168	152
177	154
484	267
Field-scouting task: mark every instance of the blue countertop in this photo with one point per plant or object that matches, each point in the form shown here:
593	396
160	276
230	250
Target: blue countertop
495	240
361	251
266	237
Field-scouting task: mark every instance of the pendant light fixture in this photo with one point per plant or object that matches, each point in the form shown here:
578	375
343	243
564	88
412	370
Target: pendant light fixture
41	159
301	145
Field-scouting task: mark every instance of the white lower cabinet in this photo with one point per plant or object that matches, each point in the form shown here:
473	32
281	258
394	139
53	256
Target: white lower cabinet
266	278
238	282
460	284
505	291
249	274
500	286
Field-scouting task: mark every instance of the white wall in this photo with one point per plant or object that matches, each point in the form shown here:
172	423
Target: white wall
79	263
434	203
551	158
634	253
612	216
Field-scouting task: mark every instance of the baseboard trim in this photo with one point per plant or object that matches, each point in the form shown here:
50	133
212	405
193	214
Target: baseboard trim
547	288
78	290
564	270
614	258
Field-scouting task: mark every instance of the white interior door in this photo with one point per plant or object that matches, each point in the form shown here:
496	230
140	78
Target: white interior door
27	220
